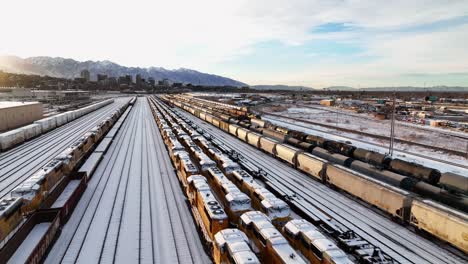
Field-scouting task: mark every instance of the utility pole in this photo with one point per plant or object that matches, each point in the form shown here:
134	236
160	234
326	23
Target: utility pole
392	128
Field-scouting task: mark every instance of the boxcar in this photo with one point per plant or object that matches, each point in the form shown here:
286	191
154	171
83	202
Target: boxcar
384	196
441	221
32	130
287	153
232	246
257	122
11	138
233	129
267	240
254	139
10	215
242	133
311	165
312	244
216	122
268	145
275	134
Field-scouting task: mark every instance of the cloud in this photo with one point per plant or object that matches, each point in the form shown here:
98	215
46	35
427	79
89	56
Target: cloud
223	36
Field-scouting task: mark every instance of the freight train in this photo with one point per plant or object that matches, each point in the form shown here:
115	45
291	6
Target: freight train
30	195
450	181
232	246
391	192
218	182
17	136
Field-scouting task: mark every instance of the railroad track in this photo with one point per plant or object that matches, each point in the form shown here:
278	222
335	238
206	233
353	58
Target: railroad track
395	240
122	216
11	156
31	159
87	208
446	133
363	141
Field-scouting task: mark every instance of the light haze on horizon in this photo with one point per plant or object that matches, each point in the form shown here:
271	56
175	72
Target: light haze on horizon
316	43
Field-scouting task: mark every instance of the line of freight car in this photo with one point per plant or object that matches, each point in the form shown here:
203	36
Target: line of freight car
400	166
234	110
361	241
380	196
8	183
274	249
234	200
401	181
421	188
38	189
328	251
457	219
353	240
417	171
449	179
370	256
17	136
208	213
277	210
46	142
31	242
92	205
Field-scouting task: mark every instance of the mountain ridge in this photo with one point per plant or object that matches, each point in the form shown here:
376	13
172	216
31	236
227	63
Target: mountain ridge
70	68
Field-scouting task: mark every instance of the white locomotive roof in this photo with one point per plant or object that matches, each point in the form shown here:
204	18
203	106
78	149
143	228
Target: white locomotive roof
212	205
230	235
287	253
238	197
275	203
299	225
228	163
201	185
51	165
242	175
7	205
324	244
189	166
245	257
263	193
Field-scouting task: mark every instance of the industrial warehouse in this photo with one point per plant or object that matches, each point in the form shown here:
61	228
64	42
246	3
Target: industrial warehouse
186	178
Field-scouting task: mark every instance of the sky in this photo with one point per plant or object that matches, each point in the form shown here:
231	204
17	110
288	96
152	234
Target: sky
317	43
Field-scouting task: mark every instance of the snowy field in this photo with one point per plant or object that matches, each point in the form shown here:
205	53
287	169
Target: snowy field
357	140
368	124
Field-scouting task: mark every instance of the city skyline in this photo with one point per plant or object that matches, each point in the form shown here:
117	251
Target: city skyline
312	43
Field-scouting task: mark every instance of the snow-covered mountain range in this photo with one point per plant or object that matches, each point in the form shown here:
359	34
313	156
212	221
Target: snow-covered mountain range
69	68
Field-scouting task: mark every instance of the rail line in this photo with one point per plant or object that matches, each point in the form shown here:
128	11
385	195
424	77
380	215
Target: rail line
9	156
363	141
398	140
123	215
404	246
447	133
38	156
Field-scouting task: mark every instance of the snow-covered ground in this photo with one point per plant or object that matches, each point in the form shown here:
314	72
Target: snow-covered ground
133	210
364	123
382	148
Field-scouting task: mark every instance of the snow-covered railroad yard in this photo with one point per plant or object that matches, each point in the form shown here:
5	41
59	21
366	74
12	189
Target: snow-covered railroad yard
396	240
21	162
133	210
